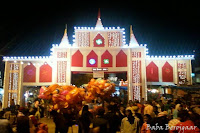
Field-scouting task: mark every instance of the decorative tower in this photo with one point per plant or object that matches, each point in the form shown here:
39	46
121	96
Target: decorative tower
65	42
137	79
99	25
62	61
133	41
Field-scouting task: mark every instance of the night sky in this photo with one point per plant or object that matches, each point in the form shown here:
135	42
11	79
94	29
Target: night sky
169	28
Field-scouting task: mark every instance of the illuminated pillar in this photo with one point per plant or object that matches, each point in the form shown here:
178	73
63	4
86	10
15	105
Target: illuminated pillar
5	85
62	66
129	76
68	72
190	65
137	74
175	72
11	83
20	94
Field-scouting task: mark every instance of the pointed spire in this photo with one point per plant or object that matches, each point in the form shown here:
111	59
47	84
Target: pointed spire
65	32
133	41
99	14
64	42
131	30
99	24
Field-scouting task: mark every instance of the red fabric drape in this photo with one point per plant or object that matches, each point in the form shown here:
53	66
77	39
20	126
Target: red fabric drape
30	73
45	73
92	55
99	36
77	59
121	59
106	56
167	73
152	72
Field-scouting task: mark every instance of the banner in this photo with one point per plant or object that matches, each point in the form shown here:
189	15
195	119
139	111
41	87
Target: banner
98	74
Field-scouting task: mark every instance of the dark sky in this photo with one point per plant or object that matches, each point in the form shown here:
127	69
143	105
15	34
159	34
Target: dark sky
168	28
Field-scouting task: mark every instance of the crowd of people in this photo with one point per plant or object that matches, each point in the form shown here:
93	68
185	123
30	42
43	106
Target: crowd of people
143	117
16	119
111	117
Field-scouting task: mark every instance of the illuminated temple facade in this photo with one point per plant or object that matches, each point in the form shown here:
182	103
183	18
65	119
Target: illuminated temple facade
95	47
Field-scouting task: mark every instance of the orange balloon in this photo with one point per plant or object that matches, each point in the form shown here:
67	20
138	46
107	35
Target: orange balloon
107	84
74	92
62	103
55	98
102	93
96	83
47	91
77	99
68	97
102	82
92	90
56	107
49	97
89	94
101	87
88	85
67	87
87	99
53	87
82	93
66	105
56	91
92	86
92	80
98	90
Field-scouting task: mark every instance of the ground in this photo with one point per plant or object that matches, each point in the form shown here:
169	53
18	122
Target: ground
51	126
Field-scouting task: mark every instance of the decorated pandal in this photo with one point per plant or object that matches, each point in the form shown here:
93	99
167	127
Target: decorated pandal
95	50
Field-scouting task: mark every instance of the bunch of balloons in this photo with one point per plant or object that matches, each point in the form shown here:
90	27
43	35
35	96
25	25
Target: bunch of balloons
62	96
99	88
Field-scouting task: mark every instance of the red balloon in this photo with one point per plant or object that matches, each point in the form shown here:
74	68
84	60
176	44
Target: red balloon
65	92
43	89
43	96
62	98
